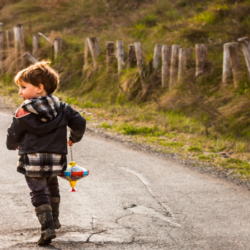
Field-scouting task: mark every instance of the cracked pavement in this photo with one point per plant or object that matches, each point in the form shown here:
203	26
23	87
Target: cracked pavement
130	200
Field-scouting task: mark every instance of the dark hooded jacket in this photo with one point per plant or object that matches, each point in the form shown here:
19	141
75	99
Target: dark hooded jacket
44	128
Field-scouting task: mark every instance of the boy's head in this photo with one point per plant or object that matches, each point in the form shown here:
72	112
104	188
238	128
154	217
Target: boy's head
44	80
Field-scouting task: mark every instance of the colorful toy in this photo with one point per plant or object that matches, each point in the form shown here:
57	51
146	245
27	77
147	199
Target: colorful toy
73	173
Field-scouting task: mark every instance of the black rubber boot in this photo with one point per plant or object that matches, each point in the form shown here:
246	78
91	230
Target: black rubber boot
55	201
45	218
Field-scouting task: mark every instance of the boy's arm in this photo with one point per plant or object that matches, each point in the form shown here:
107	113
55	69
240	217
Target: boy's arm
77	125
15	133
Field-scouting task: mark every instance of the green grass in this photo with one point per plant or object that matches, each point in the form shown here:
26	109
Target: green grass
105	125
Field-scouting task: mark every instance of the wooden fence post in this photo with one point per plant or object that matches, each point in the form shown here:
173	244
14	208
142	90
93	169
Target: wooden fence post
109	54
9	40
227	69
58	43
36	45
245	46
201	57
166	64
22	38
131	56
97	46
86	54
235	62
184	57
174	65
1	50
93	46
157	55
139	58
30	58
19	37
16	39
120	54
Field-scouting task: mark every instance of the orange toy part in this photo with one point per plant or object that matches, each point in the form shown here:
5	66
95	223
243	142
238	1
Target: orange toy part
21	112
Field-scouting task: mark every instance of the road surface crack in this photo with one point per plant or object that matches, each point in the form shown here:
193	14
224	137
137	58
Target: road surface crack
167	213
99	232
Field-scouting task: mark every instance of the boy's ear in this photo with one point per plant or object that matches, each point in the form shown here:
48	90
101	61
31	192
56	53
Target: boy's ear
40	88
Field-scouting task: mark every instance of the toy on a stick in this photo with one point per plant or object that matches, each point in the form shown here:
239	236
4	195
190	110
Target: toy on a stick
73	173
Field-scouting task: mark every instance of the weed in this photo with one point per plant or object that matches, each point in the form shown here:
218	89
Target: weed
194	149
105	125
72	100
131	130
171	144
149	20
205	17
90	104
204	157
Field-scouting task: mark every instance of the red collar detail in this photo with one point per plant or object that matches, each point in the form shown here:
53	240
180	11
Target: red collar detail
21	112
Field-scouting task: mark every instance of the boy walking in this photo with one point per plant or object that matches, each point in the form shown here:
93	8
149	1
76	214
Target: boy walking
39	132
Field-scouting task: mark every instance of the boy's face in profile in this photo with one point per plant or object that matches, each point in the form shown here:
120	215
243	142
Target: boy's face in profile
29	91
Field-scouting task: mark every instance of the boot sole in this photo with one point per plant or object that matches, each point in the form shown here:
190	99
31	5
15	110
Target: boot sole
57	225
49	234
46	237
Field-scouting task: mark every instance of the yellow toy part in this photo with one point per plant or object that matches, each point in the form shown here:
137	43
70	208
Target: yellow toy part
72	183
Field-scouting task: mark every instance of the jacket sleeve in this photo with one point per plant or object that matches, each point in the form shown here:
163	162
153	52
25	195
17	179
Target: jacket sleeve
15	134
77	125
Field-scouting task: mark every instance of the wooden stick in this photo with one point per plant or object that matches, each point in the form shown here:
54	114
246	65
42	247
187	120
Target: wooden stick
139	58
10	41
109	54
227	68
92	43
120	54
131	56
235	62
174	65
36	45
245	46
201	57
184	57
1	50
41	34
166	64
157	55
58	43
30	58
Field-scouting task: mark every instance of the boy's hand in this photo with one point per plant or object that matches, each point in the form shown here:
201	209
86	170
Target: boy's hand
70	143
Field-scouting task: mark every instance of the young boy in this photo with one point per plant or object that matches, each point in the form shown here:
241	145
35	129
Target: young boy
39	131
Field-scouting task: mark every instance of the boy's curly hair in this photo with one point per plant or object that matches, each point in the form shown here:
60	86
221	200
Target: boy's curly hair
37	73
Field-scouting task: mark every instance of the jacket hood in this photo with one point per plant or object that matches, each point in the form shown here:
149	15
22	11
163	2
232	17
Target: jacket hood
45	108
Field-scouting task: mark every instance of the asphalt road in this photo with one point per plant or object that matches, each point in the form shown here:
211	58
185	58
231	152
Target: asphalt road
130	200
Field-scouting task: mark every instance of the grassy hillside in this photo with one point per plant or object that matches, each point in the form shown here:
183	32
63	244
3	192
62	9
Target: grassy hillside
200	117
